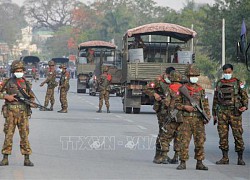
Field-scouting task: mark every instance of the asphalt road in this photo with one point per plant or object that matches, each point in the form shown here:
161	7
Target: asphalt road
83	144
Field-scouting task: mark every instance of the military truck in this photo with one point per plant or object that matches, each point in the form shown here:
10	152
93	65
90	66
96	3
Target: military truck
31	64
92	56
59	61
147	51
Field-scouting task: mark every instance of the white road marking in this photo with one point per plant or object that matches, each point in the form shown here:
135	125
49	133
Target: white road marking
141	127
154	135
118	116
128	120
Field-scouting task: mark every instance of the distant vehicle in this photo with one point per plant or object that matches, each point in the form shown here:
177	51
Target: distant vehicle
58	62
92	55
31	64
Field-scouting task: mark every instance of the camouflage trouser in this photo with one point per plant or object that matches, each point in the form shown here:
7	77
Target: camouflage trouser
192	126
104	95
16	117
161	120
226	118
49	97
170	133
63	98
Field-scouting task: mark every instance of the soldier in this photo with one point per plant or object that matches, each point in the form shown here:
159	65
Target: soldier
104	88
230	101
64	87
16	113
51	82
193	124
173	118
158	89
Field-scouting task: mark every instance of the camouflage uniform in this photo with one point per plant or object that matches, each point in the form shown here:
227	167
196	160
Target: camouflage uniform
193	124
64	88
104	88
171	125
51	82
160	87
16	113
229	96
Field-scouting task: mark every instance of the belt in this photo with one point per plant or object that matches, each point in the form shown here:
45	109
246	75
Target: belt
191	114
16	106
226	107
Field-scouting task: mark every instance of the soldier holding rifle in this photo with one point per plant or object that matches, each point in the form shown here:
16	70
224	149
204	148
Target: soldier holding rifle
194	120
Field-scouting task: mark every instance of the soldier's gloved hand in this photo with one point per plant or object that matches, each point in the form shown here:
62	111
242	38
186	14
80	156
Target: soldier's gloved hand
215	120
33	105
41	84
10	98
242	109
157	97
189	108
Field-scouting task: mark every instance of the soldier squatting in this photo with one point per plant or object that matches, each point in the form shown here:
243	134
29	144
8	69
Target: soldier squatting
181	115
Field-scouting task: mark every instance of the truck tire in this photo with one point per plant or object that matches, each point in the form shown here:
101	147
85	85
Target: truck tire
136	110
128	110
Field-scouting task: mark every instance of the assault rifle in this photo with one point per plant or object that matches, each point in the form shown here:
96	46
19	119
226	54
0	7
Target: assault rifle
183	90
30	103
172	116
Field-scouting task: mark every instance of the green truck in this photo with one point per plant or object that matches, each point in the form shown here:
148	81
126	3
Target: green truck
147	51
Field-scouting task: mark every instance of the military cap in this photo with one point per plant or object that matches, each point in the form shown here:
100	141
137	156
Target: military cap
17	64
175	76
192	70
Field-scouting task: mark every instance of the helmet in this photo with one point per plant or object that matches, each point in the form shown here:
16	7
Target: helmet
175	76
63	66
51	63
105	68
17	64
192	70
169	69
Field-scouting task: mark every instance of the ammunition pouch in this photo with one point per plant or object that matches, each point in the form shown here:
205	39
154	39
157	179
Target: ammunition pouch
179	117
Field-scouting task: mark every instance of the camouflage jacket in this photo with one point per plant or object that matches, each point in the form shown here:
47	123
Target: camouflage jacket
198	94
10	86
160	87
229	93
104	82
51	80
64	80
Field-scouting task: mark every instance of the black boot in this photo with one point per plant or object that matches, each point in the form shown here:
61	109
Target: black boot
224	159
175	159
5	161
108	111
99	110
157	156
200	165
51	107
182	165
162	158
27	161
240	158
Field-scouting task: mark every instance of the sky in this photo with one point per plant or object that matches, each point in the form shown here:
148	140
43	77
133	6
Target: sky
174	4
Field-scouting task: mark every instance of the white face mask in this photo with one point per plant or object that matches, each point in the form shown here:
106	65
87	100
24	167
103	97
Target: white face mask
167	80
227	76
194	79
18	74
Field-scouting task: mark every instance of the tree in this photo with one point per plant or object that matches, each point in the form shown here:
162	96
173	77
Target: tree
11	22
51	14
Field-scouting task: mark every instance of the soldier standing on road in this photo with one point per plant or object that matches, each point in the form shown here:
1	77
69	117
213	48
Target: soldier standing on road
159	89
230	101
16	113
193	123
64	88
104	88
51	82
171	125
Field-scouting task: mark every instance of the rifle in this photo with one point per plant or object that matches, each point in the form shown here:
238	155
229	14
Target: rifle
172	116
184	91
29	102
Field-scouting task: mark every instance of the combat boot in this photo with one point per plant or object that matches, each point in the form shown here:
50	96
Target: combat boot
165	158
157	156
175	159
27	161
108	111
5	161
201	166
240	158
99	110
51	107
224	159
182	165
63	111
